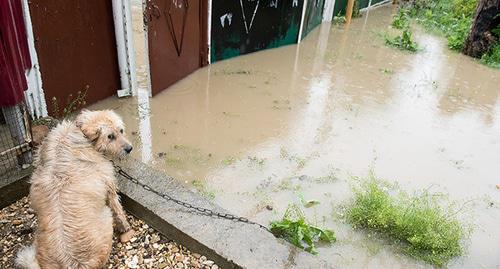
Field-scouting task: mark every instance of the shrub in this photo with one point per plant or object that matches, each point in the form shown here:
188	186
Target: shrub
492	57
418	224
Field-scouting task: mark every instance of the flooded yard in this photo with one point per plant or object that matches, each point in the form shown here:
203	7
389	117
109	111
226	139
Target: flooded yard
255	133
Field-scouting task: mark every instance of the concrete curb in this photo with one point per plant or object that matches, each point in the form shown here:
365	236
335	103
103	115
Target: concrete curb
230	244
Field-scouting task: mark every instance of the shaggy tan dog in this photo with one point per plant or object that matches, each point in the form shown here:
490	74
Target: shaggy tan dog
73	191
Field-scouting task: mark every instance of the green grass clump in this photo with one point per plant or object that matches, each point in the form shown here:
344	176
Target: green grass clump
295	229
403	41
453	18
492	57
417	223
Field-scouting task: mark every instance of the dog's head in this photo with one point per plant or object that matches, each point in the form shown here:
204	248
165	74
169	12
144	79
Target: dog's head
105	129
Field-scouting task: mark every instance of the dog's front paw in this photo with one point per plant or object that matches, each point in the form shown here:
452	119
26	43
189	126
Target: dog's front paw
126	236
122	225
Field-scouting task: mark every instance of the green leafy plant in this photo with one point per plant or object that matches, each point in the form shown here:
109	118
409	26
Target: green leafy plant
403	41
295	229
419	223
402	19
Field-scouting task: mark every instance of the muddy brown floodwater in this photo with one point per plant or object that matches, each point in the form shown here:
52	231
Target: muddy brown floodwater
262	129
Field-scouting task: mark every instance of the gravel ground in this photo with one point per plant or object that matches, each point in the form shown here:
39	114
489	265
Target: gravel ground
147	249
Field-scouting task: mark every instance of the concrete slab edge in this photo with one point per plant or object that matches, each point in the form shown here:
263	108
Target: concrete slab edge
231	244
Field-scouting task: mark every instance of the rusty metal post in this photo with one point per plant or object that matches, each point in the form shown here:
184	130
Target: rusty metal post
348	13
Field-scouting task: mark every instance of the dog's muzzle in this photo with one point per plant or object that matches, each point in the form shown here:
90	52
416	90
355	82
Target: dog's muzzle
128	148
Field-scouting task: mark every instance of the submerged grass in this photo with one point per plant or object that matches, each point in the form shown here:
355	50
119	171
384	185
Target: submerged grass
202	188
418	223
294	228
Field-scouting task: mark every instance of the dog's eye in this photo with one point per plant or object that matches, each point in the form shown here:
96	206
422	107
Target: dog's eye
111	136
121	131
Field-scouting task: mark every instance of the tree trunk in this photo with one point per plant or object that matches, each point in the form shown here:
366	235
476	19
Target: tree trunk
480	37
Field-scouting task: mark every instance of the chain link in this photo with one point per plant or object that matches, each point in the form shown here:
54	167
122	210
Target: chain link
202	210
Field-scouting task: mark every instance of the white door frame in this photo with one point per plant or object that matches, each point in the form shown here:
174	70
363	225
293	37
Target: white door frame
125	47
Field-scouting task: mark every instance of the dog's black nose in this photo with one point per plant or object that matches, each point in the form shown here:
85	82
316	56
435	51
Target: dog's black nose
128	148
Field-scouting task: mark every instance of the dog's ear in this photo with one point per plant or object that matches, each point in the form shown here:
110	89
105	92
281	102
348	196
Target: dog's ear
88	124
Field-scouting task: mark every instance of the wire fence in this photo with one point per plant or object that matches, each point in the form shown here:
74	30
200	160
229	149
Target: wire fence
15	141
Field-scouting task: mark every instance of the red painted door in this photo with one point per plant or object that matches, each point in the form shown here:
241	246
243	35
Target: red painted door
176	38
76	47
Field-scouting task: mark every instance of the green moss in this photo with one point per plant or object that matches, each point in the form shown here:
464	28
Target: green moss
294	228
419	224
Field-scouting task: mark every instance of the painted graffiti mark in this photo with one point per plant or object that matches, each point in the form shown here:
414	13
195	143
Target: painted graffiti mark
177	33
177	3
249	27
228	16
255	26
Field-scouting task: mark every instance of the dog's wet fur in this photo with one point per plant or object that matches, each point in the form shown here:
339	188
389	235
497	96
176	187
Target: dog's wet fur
74	194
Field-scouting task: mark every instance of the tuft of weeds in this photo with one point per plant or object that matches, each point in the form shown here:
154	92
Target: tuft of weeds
73	104
386	71
257	160
418	223
403	41
229	160
294	228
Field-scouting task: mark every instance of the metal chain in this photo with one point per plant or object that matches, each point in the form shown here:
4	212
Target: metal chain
202	210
